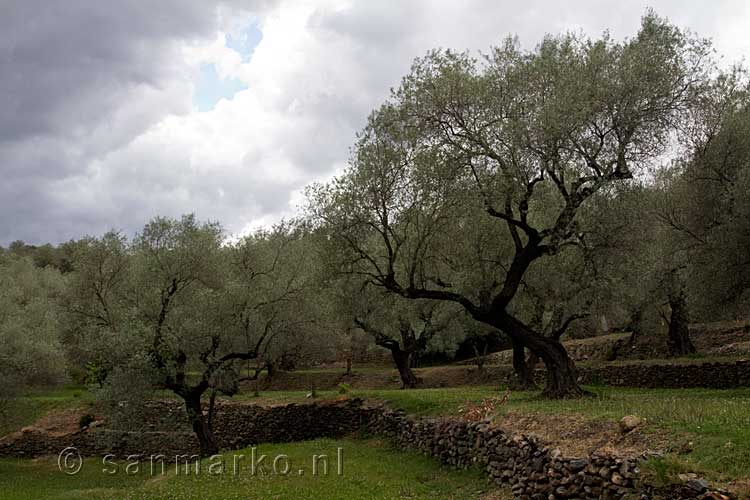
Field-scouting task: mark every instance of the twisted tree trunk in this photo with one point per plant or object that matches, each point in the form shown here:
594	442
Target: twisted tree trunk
523	371
402	359
562	378
678	340
206	439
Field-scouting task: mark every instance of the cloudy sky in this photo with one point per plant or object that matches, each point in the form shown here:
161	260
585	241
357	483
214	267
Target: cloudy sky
112	112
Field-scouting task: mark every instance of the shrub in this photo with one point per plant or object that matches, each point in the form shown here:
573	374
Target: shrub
85	420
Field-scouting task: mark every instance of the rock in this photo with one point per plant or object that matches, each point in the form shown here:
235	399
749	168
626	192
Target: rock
577	464
685	477
562	491
617	479
699	485
685	448
630	422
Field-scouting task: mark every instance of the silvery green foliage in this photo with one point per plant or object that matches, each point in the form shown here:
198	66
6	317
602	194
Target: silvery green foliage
30	351
129	386
191	305
706	204
474	165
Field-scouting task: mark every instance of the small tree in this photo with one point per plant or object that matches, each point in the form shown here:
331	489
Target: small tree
416	324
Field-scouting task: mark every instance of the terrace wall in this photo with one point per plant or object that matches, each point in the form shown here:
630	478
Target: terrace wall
530	468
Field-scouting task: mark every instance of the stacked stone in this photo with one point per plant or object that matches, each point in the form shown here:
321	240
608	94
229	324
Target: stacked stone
532	470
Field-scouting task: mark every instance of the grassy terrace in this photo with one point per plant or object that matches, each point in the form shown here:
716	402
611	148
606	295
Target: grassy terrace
716	422
371	469
25	410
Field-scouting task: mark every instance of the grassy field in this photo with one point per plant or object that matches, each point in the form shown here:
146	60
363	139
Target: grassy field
716	422
370	470
27	409
420	402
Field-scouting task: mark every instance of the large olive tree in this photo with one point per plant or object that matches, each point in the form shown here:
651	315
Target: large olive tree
704	202
505	152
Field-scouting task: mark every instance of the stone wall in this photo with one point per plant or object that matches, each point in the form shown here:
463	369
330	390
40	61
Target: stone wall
529	467
652	375
99	441
714	375
236	426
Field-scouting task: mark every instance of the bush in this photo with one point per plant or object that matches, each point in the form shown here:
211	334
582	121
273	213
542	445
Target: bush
85	420
344	388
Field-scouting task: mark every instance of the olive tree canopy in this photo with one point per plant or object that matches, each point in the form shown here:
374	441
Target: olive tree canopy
474	170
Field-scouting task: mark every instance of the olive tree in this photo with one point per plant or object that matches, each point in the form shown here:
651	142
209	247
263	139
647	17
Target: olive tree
704	203
184	306
30	350
514	145
405	328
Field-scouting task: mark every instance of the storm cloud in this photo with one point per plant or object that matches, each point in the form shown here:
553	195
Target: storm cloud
103	116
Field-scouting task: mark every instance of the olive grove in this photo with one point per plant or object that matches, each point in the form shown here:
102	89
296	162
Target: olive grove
183	306
472	172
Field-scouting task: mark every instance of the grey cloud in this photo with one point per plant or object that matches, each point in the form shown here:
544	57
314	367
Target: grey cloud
81	80
67	65
73	76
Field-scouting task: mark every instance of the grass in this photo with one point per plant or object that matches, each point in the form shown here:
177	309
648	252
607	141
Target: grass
25	410
716	422
371	470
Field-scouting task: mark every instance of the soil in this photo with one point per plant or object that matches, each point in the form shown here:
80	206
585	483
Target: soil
579	436
382	378
60	422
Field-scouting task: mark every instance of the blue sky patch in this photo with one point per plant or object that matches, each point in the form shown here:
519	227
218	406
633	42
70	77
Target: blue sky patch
211	88
244	40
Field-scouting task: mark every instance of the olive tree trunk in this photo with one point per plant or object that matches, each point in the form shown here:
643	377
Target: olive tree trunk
402	359
678	339
198	421
562	377
523	369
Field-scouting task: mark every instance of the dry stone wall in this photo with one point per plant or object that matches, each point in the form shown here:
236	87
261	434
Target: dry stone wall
532	469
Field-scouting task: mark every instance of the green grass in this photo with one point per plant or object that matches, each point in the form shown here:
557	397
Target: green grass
430	402
717	422
24	410
371	470
41	478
